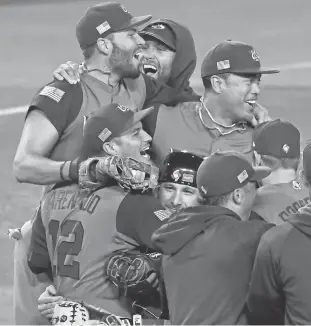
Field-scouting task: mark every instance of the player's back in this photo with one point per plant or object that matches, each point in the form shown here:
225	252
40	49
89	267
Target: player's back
79	237
274	203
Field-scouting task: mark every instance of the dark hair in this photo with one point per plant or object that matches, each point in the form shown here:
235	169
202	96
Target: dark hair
276	163
214	201
207	80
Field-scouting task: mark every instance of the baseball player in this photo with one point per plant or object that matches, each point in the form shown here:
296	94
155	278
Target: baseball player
52	133
76	228
276	144
280	286
139	215
209	249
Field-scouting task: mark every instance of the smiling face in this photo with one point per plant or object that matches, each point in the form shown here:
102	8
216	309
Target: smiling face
123	59
156	59
134	143
239	95
174	196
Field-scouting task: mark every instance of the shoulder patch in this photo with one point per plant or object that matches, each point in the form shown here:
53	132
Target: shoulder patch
54	93
162	214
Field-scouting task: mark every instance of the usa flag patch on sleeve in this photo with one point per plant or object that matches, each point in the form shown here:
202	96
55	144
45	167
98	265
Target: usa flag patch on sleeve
162	214
54	93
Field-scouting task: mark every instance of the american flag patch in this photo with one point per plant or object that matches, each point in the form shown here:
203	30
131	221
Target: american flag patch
162	214
104	135
102	28
221	65
54	93
242	176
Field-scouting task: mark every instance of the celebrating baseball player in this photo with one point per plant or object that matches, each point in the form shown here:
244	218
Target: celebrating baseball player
280	286
209	249
276	144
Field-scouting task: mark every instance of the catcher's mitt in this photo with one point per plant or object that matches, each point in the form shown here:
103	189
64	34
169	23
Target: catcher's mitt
128	172
87	174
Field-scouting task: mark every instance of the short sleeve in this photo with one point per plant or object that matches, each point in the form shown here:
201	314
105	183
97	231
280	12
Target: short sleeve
60	102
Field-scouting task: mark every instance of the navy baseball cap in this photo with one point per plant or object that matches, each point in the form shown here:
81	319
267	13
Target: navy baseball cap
233	57
277	138
162	32
223	172
106	123
180	167
103	19
306	161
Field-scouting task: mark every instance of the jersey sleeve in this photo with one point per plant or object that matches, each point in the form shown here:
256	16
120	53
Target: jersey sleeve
38	255
264	301
60	102
138	216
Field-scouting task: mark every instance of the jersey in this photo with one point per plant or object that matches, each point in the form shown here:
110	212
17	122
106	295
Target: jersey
275	203
189	132
76	231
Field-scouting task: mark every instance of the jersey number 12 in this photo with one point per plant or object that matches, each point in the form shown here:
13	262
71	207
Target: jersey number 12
67	250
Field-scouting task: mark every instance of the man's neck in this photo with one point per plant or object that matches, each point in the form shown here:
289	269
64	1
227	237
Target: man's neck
216	111
102	73
244	216
280	176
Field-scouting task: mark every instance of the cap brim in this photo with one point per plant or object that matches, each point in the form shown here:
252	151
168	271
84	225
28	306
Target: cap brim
255	71
137	21
261	172
159	38
138	116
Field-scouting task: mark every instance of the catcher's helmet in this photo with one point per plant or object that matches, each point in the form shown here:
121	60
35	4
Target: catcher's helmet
180	167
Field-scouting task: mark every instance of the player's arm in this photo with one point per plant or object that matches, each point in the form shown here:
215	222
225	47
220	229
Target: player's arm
138	216
50	112
264	301
38	254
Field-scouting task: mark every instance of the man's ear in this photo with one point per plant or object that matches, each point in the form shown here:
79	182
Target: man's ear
110	148
217	83
104	46
237	196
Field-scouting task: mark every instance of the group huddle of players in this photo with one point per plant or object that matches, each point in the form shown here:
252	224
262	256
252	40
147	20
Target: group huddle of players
158	202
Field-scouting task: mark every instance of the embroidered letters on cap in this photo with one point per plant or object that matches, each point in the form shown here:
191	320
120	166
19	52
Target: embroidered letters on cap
54	93
104	135
158	26
123	108
225	64
176	175
255	55
286	148
242	176
102	28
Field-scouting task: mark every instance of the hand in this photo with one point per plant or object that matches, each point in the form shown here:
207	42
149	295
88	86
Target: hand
261	114
47	301
70	71
153	280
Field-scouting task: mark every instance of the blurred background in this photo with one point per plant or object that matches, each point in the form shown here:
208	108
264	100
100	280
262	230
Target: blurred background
38	35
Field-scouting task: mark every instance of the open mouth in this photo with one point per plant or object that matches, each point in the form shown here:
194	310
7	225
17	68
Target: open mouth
145	151
149	69
251	103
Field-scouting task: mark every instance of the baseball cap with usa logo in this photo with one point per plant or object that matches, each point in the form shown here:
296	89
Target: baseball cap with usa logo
233	57
277	138
223	172
106	123
103	19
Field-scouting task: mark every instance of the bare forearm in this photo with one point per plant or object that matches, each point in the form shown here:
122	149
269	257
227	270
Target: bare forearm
38	170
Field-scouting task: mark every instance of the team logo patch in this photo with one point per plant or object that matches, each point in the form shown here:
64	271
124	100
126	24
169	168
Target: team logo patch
225	64
158	26
162	214
204	190
104	135
176	175
53	93
102	28
285	148
255	55
155	255
123	108
187	177
242	176
296	185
